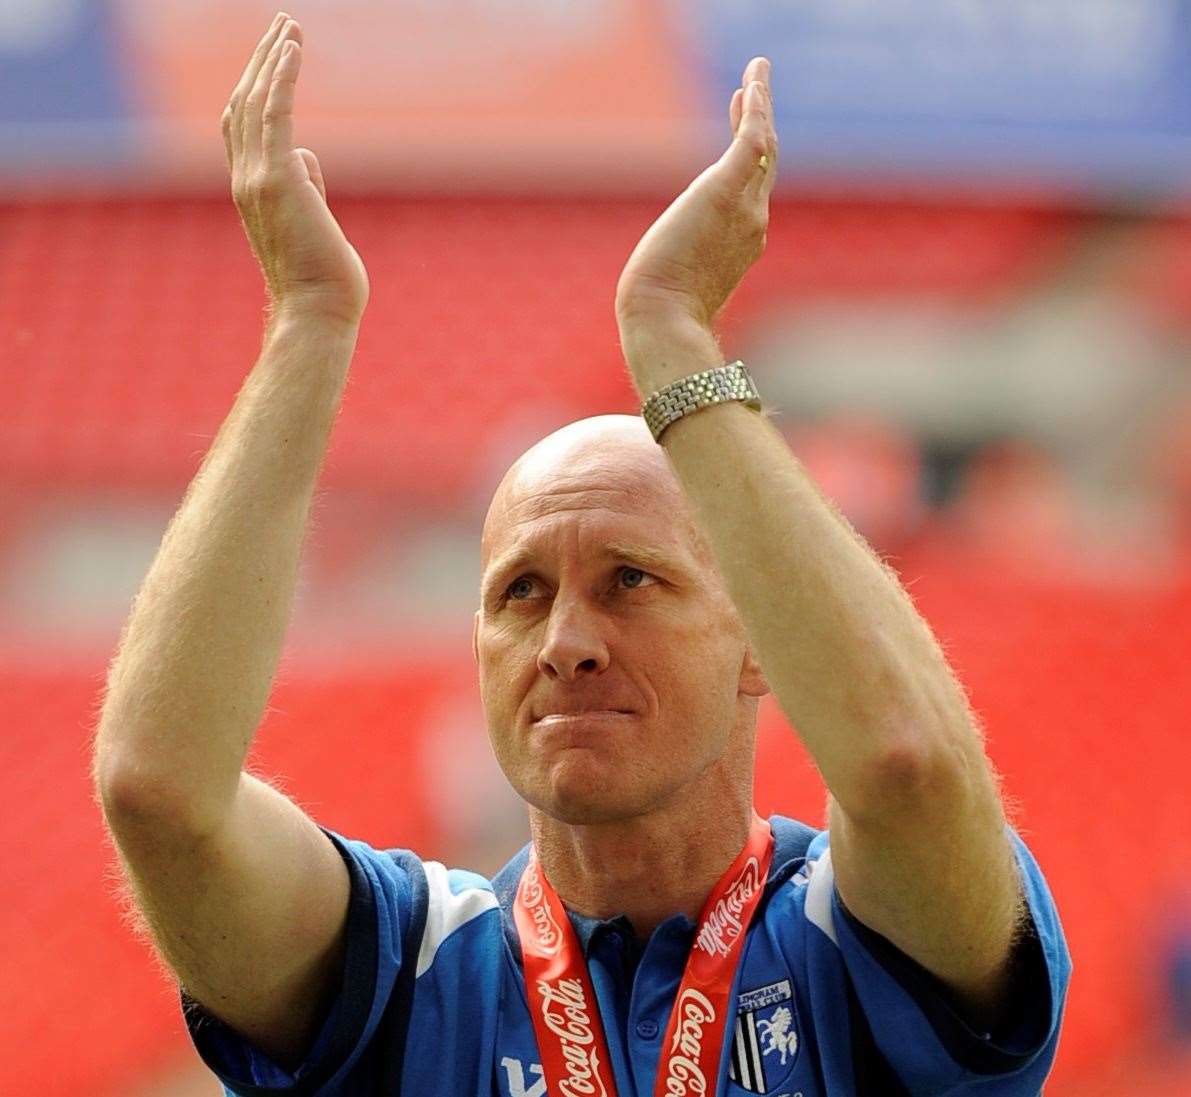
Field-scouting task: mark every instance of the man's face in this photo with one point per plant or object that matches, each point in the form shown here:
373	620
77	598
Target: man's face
613	667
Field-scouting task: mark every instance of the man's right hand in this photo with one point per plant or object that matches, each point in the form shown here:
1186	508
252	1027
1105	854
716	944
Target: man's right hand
310	267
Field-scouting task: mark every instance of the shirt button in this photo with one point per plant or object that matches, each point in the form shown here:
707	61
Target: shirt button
647	1029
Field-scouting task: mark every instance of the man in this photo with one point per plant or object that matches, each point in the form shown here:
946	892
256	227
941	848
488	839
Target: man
637	601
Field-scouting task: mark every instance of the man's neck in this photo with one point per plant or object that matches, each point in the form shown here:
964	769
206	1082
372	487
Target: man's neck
647	868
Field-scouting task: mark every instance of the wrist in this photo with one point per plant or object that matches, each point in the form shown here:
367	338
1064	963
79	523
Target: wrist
657	354
286	323
313	312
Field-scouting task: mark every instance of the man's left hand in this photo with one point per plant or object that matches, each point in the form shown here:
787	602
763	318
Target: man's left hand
692	258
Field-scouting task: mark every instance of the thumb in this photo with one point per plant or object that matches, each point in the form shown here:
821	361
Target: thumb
313	170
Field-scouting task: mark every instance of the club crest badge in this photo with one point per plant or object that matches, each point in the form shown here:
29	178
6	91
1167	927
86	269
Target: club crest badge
765	1041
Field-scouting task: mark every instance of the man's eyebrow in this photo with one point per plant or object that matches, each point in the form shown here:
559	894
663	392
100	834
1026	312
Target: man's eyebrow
502	565
646	556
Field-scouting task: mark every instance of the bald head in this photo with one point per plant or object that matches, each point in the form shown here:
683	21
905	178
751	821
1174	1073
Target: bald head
612	453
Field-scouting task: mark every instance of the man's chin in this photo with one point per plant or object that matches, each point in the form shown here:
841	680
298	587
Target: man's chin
586	795
588	811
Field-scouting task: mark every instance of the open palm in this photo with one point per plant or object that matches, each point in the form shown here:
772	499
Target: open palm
279	191
696	253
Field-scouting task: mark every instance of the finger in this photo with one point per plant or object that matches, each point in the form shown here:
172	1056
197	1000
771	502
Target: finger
235	105
757	116
749	162
254	107
277	117
760	137
314	171
735	109
756	69
248	76
227	125
771	135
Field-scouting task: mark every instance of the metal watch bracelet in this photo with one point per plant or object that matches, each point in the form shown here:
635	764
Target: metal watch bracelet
699	390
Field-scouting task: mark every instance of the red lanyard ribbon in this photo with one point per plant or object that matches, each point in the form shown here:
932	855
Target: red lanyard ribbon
566	1017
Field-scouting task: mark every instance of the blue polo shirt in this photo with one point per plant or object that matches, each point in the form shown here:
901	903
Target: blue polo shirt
432	1001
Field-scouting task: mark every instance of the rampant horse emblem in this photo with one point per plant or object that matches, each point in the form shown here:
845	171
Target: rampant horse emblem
764	1042
777	1035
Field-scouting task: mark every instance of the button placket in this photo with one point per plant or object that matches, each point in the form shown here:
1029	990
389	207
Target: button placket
647	1028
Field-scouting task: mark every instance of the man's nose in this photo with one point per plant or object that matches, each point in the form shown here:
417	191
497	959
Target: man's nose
573	644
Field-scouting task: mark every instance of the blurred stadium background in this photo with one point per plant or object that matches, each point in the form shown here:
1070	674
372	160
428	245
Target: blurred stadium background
974	313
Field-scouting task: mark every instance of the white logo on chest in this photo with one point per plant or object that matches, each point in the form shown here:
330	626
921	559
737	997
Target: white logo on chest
515	1073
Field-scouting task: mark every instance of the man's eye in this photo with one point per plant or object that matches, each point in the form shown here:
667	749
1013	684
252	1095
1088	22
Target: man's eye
520	589
635	577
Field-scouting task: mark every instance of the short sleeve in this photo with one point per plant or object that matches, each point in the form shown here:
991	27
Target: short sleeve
910	1013
387	903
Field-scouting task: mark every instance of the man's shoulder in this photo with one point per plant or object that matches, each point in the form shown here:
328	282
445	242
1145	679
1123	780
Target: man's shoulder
396	888
795	847
504	883
792	840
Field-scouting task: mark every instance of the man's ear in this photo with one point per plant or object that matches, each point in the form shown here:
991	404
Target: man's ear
752	679
475	637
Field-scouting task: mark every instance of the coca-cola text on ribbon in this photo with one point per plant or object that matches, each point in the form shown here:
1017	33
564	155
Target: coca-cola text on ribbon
566	1014
684	1073
546	930
723	924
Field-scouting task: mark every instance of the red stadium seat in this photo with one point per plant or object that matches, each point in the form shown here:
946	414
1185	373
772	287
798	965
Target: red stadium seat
129	326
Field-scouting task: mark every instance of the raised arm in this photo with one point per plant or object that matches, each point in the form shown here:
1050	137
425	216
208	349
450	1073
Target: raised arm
245	897
918	838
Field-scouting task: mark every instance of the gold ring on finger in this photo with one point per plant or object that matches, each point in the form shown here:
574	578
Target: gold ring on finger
763	163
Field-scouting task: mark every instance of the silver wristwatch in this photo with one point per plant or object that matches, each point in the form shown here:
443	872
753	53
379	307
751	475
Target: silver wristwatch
699	390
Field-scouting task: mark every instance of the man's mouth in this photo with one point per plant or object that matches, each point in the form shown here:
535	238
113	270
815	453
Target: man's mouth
576	717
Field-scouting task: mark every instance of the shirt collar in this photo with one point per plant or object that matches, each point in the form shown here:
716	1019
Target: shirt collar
791	837
588	930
